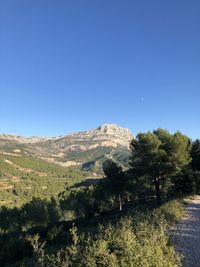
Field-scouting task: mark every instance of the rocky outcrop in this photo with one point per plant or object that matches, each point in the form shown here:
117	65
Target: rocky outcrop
24	140
105	135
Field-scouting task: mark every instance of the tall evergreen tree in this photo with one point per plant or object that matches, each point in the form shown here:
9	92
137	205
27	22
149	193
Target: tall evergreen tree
115	180
159	155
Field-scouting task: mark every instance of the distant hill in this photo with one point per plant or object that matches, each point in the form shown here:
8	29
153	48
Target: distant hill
88	149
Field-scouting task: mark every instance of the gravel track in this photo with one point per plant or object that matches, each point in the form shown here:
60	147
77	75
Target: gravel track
186	234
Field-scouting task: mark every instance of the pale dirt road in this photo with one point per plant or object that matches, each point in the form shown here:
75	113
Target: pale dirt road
186	234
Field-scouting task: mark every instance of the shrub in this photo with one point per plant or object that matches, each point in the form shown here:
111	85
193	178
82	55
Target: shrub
135	241
173	211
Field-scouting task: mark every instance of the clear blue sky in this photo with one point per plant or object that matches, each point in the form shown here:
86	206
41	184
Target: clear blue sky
71	65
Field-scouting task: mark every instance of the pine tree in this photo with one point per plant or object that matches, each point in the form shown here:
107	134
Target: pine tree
157	156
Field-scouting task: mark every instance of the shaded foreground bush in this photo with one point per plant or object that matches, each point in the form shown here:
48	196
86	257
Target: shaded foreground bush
136	240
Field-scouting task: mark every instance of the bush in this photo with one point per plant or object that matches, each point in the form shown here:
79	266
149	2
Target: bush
136	241
173	211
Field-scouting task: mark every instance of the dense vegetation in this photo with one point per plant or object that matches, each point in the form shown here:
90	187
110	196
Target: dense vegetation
120	220
138	239
25	177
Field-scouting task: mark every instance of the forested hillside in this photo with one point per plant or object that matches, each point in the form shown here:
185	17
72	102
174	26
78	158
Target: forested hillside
23	177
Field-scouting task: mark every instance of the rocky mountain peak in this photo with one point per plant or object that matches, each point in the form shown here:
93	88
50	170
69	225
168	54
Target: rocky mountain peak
106	134
115	130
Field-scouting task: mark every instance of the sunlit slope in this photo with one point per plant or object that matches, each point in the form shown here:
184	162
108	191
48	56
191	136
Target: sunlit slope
88	149
23	177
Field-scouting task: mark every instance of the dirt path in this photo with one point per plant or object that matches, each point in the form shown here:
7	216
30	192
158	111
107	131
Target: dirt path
186	234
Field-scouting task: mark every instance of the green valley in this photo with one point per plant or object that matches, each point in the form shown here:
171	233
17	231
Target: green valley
23	177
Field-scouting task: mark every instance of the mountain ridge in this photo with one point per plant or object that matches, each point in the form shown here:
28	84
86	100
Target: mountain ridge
104	128
86	148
